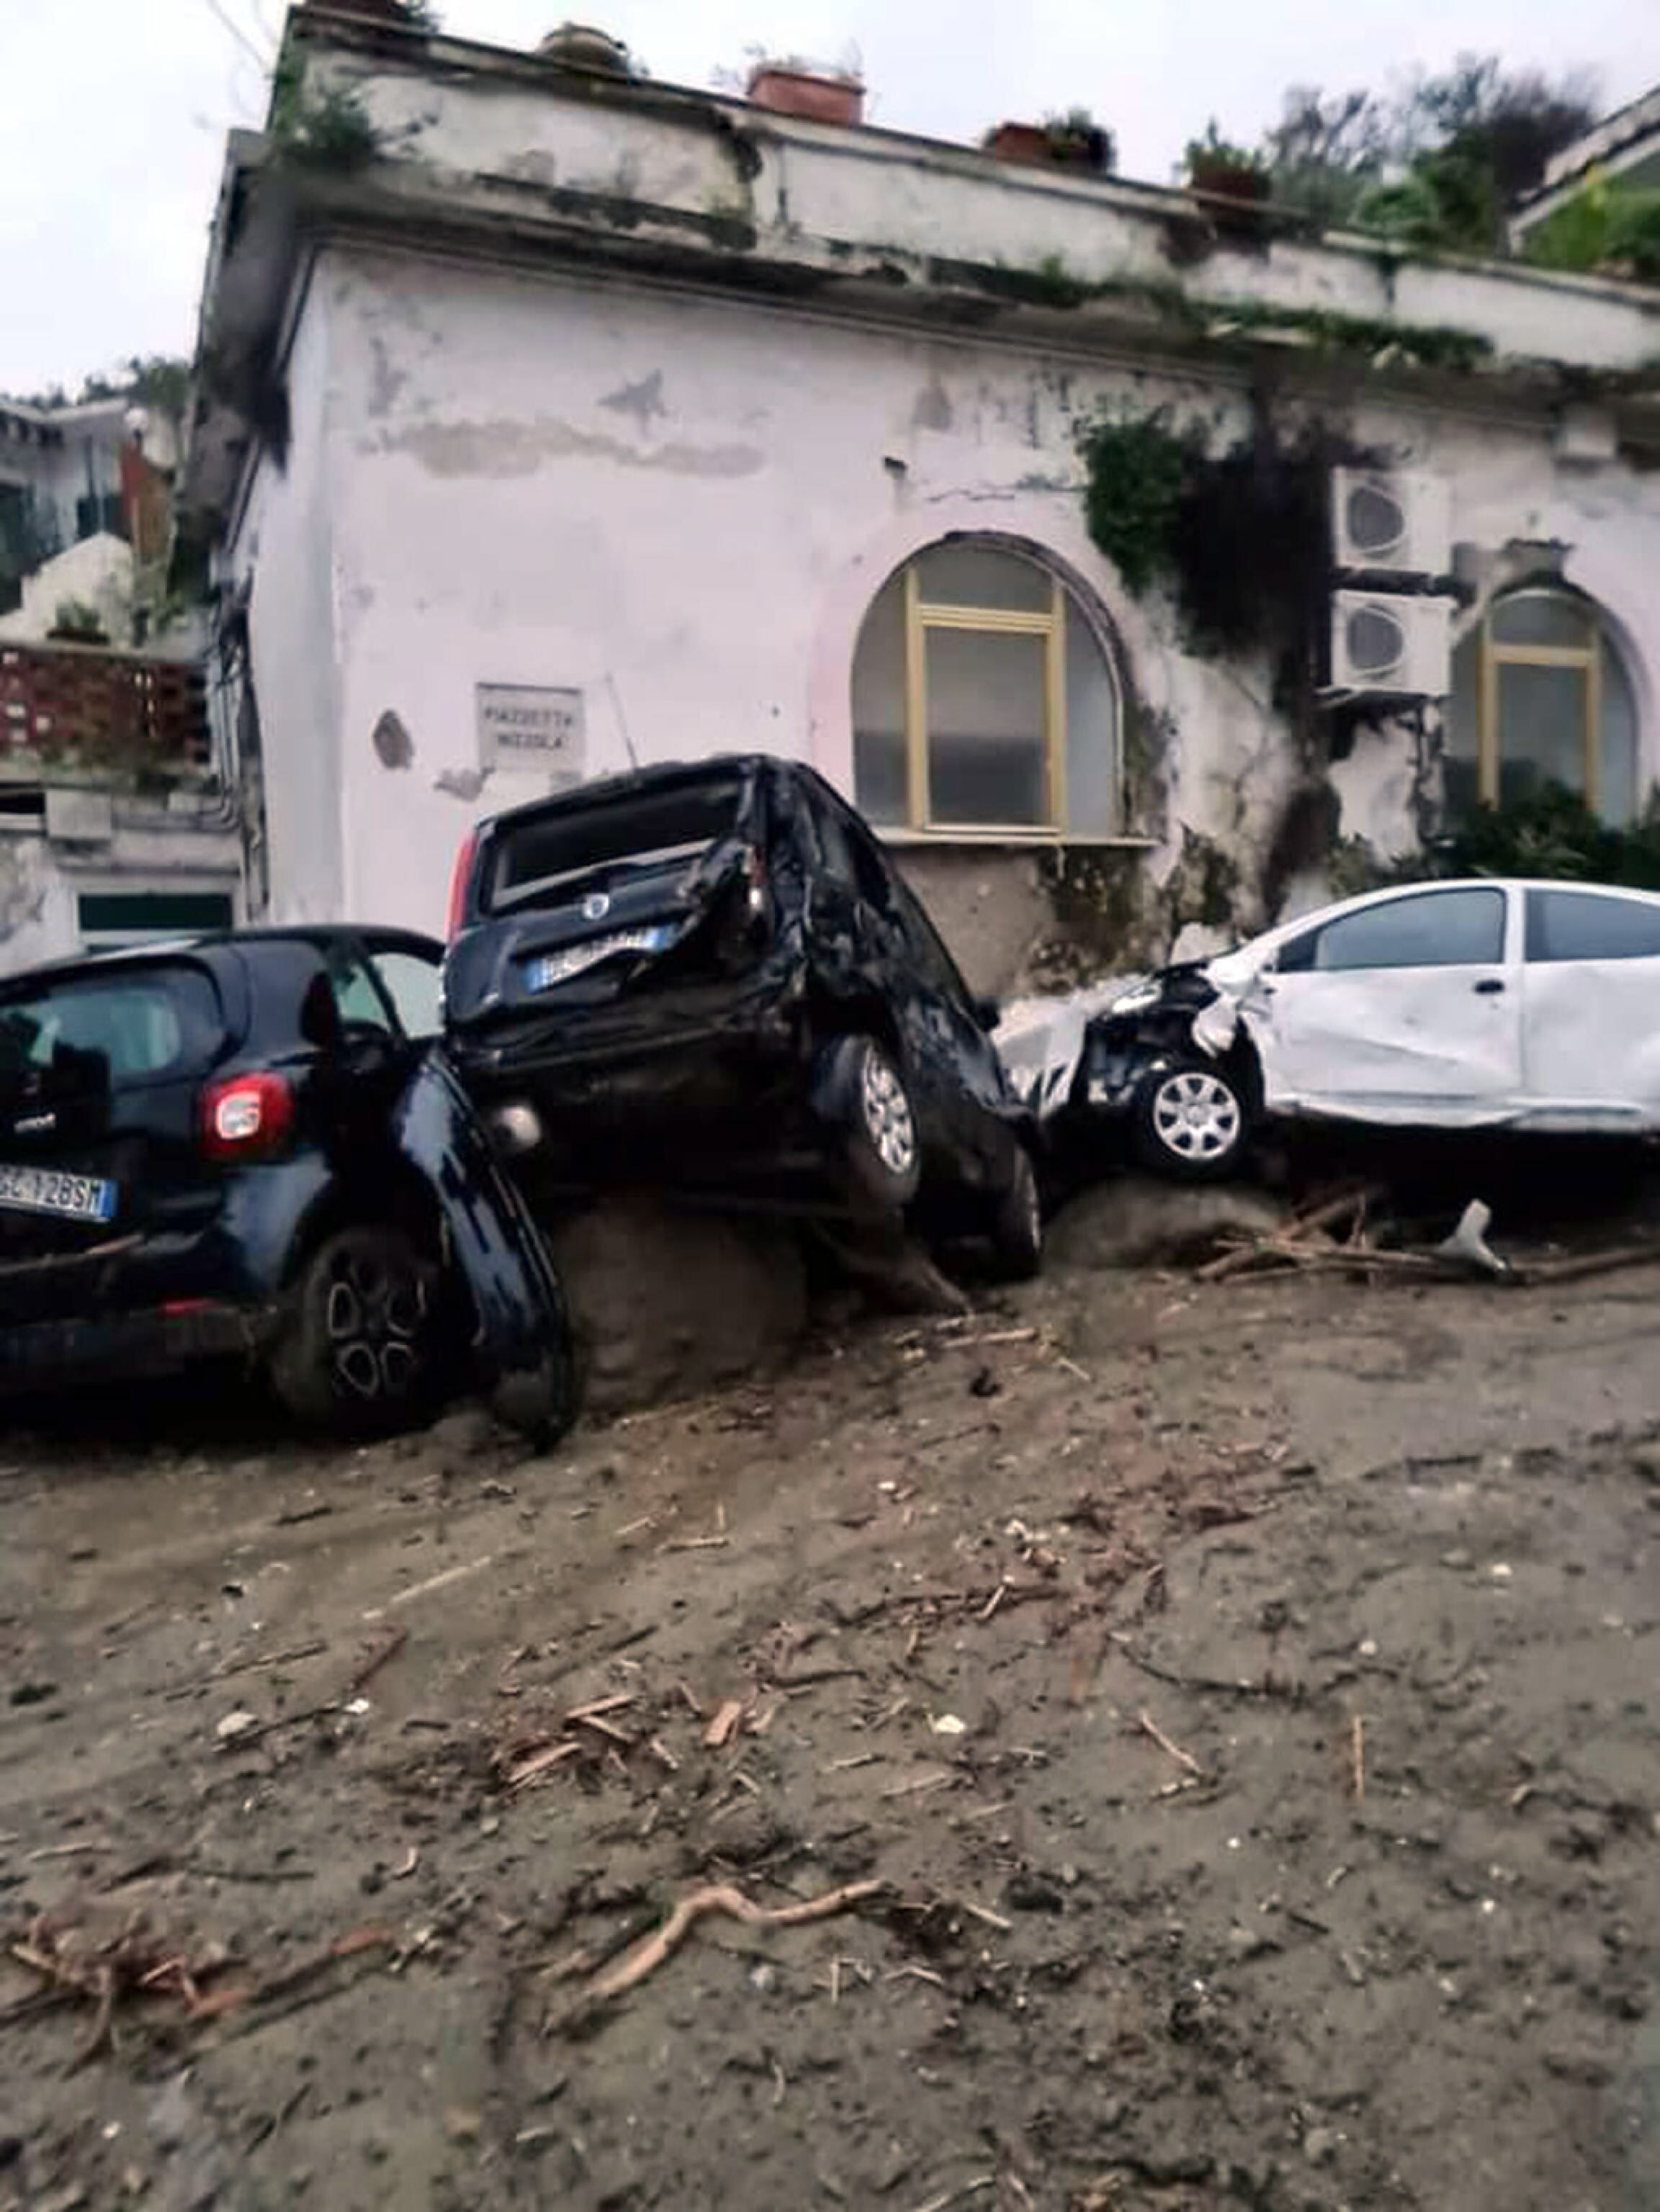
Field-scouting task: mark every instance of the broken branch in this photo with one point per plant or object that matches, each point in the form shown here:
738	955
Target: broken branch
1149	1727
720	1897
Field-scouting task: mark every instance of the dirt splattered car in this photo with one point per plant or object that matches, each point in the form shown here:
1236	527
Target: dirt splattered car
1487	1004
714	977
252	1145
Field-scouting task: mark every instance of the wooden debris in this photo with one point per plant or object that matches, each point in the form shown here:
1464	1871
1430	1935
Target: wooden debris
1149	1727
721	1729
603	1727
599	1706
982	1912
389	1647
719	1898
1358	1758
439	1582
133	1965
539	1762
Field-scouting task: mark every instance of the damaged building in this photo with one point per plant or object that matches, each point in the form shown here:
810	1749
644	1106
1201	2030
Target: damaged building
1124	554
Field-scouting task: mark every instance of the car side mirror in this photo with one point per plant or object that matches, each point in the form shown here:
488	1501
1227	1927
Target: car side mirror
989	1013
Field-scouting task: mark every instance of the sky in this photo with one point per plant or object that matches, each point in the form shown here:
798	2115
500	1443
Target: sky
115	111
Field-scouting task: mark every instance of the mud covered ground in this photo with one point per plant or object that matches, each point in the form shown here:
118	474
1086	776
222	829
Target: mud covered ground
1243	1696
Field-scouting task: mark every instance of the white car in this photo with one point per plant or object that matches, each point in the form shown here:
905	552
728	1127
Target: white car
1449	1006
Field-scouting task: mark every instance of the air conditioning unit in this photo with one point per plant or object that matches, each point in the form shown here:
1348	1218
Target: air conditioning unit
1391	522
1392	643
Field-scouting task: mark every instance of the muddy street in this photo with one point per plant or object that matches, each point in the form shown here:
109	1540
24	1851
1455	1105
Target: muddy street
1217	1720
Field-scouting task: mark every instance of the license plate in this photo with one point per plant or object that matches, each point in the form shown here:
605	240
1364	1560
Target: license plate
559	967
45	1190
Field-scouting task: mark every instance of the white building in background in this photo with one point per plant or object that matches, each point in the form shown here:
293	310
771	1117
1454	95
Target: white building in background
118	819
584	420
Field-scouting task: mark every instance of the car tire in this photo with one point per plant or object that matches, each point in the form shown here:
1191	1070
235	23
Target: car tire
358	1354
1192	1121
1017	1223
881	1148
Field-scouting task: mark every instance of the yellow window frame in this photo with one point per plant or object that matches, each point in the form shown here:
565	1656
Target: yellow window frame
1049	623
1495	653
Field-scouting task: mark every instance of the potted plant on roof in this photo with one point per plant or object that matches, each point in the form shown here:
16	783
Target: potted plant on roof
819	94
1072	140
1233	182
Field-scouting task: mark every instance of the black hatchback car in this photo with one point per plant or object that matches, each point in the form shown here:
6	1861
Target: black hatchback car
714	976
252	1144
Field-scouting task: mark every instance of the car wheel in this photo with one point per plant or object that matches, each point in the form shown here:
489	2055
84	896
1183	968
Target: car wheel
359	1352
1192	1121
1017	1223
868	1099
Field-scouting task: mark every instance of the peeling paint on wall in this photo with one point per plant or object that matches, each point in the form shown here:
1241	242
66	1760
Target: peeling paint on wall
464	783
644	400
519	449
394	745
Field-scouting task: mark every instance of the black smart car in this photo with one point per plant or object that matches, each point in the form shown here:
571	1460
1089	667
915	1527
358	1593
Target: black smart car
714	976
252	1144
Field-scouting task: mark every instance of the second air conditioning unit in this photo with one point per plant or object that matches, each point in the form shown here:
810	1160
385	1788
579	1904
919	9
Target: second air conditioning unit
1394	644
1394	522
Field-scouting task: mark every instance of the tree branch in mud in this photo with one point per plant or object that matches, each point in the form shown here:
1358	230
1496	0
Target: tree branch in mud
719	1897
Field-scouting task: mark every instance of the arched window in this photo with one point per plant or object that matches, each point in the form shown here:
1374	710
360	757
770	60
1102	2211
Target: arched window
1541	696
983	701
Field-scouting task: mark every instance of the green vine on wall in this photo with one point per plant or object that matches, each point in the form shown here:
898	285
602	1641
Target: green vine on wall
1138	468
1239	538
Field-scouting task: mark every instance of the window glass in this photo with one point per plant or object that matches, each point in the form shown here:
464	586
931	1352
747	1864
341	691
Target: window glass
1542	618
356	1000
987	760
995	694
1581	926
1617	736
411	982
1432	929
1093	807
878	708
1541	712
534	860
132	1028
1542	722
980	576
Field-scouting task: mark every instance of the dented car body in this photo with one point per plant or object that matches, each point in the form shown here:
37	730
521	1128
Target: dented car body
711	977
252	1145
1489	1003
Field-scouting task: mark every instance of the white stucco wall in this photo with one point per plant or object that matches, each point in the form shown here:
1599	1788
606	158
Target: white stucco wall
682	506
285	550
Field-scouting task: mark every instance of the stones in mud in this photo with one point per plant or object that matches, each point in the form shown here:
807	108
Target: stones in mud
1030	1892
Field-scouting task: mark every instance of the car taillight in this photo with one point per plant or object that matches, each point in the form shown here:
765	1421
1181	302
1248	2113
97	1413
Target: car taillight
246	1117
460	882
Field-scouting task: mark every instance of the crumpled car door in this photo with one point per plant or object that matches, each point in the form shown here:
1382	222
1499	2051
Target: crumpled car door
1407	1011
522	1345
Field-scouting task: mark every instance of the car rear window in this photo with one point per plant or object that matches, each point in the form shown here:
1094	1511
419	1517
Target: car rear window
134	1028
1588	926
533	858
